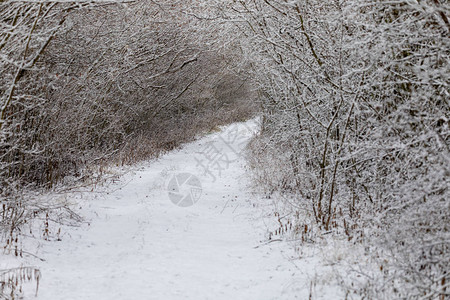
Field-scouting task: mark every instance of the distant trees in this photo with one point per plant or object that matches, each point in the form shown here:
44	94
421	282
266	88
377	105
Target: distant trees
356	126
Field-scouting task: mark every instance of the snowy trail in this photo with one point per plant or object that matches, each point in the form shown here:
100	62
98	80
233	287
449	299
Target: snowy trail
140	245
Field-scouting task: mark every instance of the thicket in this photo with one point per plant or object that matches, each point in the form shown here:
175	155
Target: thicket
86	84
355	131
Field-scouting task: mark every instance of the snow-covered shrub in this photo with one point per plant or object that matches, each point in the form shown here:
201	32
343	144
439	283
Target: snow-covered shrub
356	125
402	152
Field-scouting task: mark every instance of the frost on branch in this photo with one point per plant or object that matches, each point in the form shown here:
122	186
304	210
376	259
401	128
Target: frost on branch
356	127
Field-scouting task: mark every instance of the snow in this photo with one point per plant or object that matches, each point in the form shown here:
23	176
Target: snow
136	243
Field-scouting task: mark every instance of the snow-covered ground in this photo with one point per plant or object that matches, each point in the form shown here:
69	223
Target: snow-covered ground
185	226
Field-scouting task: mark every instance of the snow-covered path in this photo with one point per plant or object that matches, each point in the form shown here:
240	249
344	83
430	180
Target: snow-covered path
140	245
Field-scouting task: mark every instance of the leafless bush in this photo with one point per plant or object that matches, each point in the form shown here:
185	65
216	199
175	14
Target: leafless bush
86	84
355	125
